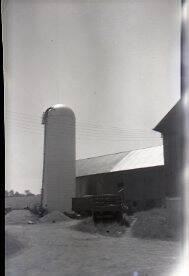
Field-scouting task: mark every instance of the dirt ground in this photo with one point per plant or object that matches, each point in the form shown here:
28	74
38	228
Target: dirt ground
59	250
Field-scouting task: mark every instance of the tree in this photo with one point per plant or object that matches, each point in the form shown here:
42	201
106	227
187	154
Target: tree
11	193
28	193
6	193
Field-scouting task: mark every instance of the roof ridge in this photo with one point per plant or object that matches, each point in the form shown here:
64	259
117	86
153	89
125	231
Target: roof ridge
117	153
164	118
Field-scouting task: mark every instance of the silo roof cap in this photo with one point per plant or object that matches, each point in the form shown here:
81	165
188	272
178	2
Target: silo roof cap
56	107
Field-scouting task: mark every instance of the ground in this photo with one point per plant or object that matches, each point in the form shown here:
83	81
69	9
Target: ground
58	249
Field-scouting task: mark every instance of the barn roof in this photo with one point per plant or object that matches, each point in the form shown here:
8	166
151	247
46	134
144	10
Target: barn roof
140	158
171	122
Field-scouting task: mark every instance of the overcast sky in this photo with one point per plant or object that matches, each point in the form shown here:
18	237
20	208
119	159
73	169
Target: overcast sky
115	63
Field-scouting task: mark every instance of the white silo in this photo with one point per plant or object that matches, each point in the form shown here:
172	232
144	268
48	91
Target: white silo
58	185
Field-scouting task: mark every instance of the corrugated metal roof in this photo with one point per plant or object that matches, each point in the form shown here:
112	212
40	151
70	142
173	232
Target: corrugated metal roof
142	158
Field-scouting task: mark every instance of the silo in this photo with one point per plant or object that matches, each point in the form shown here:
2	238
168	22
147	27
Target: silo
58	185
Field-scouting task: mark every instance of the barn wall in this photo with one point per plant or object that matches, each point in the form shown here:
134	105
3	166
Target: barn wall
173	163
140	184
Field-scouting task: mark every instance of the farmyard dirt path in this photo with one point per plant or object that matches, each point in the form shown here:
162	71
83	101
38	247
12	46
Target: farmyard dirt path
57	250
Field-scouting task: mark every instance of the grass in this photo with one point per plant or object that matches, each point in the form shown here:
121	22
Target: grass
153	224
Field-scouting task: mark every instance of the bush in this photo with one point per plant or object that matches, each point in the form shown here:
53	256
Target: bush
38	210
7	210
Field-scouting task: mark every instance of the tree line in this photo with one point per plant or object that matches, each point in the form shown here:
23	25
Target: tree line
15	193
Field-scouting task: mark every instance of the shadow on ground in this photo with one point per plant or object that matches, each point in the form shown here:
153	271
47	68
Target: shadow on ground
105	228
12	245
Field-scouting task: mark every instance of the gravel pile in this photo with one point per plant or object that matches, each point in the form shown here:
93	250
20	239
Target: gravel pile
153	224
54	216
112	229
20	217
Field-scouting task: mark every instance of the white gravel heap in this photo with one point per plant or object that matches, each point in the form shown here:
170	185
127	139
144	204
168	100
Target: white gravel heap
20	217
54	216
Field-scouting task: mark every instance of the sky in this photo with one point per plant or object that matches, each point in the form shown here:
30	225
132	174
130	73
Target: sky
115	63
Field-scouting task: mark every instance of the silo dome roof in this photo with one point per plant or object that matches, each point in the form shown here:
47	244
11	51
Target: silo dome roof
57	107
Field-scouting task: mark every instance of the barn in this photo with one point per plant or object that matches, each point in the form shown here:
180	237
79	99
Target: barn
171	128
140	172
